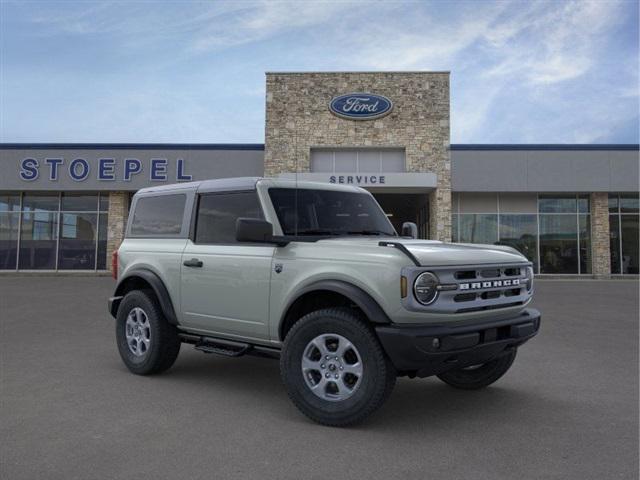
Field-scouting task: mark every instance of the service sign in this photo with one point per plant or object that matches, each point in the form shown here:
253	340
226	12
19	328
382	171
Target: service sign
360	106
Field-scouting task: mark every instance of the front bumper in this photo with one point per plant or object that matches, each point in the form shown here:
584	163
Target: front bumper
433	349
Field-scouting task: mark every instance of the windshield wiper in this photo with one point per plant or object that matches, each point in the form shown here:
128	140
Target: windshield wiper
369	232
312	231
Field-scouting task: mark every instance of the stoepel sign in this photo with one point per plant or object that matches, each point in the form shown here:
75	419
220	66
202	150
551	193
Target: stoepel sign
360	106
107	169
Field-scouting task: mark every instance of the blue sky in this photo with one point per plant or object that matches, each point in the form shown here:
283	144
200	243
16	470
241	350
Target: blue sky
137	71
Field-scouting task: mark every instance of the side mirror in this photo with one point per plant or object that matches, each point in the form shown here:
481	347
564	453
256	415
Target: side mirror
254	230
409	229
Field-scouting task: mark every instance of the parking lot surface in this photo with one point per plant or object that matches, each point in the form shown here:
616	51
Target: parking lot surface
568	408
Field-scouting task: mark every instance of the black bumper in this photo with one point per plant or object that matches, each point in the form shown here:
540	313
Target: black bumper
429	350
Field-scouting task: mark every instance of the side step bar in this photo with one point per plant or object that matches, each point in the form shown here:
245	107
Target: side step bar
228	348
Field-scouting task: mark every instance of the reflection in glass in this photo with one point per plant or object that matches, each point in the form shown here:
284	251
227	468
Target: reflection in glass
104	201
613	203
8	240
614	242
630	246
79	202
455	237
557	204
38	240
9	202
585	243
478	228
521	233
101	264
558	244
629	203
77	249
40	202
583	204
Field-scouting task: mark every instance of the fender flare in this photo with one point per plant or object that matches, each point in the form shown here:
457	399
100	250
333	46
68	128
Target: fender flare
158	287
362	299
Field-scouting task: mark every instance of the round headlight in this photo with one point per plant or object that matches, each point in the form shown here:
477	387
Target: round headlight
425	288
529	279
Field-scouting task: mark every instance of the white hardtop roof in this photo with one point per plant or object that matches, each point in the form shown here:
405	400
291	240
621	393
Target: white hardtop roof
245	183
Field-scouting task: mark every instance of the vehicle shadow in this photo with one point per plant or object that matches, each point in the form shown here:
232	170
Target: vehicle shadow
414	404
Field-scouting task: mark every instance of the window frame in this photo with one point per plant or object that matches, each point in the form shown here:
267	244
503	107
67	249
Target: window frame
193	226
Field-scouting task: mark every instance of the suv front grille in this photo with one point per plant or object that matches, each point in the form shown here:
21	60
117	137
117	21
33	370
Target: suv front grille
476	288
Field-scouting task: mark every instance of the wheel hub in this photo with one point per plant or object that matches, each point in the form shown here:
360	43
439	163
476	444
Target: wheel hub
138	331
332	367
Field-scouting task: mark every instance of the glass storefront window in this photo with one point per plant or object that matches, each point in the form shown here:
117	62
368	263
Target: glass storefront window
629	243
9	202
49	231
77	247
455	237
614	242
521	233
584	236
623	233
49	202
101	261
38	240
557	204
583	204
629	204
478	228
558	244
79	202
9	222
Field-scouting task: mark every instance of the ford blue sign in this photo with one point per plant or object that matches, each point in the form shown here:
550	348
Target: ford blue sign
360	106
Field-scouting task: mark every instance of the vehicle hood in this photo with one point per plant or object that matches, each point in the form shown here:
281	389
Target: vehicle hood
436	253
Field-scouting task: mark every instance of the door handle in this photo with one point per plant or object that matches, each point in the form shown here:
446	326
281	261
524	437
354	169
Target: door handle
194	262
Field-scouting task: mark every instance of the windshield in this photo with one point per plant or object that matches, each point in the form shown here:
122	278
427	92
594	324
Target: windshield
328	212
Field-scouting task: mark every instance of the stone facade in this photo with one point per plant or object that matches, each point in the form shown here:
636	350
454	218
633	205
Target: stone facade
117	223
600	246
298	119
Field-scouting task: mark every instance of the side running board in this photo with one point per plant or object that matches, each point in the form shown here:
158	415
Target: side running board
403	249
228	348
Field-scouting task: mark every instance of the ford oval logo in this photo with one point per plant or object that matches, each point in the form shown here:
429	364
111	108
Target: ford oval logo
360	106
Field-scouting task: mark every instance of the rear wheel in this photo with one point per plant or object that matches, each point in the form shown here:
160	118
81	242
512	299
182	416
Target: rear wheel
479	376
147	343
334	368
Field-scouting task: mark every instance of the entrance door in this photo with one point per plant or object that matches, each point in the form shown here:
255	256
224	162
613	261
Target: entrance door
406	207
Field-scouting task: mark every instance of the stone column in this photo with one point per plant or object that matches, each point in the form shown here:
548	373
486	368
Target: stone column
440	215
600	248
118	214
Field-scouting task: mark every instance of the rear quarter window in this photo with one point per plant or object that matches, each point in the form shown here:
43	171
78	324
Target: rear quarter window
158	216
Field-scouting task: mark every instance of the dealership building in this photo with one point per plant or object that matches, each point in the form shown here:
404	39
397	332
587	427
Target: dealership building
571	209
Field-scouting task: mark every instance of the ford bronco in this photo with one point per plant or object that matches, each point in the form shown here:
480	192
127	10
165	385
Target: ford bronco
315	275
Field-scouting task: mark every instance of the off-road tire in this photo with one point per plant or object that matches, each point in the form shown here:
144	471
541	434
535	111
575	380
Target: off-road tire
164	342
378	378
482	376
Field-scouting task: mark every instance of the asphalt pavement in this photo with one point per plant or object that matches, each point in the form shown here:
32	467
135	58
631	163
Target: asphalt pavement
568	408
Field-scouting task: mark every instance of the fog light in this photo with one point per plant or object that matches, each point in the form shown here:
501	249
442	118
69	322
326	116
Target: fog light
435	343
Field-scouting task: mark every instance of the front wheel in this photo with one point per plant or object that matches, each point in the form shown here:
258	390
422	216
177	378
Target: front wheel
479	376
334	368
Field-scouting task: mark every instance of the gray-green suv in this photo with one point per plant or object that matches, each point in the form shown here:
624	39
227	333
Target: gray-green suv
316	275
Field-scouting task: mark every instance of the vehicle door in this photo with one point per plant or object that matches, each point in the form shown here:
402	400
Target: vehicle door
225	284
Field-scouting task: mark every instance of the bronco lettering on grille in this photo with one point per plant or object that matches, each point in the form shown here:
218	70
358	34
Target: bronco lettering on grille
489	284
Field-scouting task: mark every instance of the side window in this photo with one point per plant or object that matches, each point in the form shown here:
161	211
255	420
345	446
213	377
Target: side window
158	216
218	212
